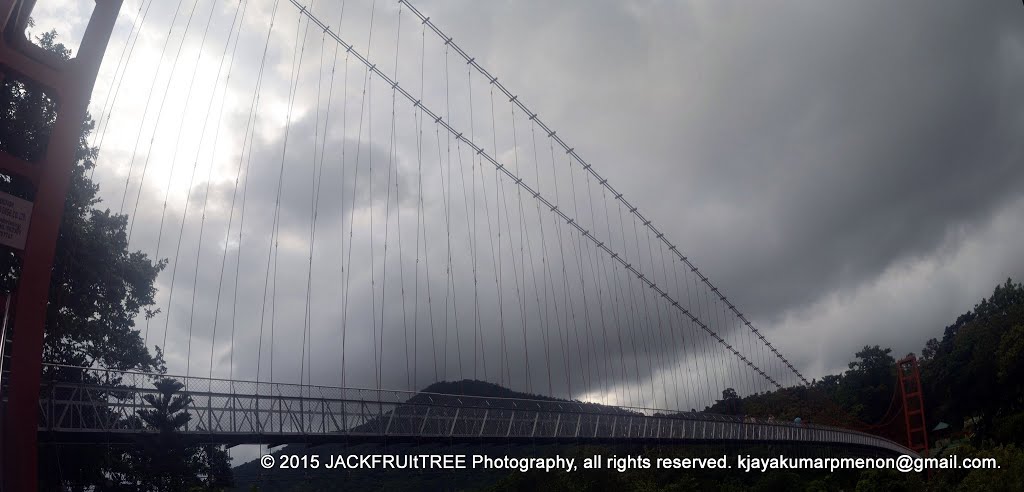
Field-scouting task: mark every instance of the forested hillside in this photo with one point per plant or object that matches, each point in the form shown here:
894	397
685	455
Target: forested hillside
971	379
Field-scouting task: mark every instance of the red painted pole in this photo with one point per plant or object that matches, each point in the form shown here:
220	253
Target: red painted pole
70	83
909	375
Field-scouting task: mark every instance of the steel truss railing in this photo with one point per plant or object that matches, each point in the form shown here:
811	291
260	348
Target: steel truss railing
106	401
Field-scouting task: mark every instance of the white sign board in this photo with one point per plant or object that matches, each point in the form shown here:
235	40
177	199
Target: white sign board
15	214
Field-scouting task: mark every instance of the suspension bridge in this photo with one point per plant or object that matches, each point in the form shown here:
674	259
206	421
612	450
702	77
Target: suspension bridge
352	207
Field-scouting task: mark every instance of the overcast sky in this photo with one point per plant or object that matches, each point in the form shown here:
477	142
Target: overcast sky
848	173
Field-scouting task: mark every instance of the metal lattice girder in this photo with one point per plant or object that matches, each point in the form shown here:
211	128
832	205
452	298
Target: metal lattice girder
106	404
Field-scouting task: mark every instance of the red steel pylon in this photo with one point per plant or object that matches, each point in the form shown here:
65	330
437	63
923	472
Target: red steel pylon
909	376
70	84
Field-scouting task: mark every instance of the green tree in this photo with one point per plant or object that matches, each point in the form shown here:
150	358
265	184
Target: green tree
867	388
97	290
889	481
975	369
1009	366
166	460
730	404
98	286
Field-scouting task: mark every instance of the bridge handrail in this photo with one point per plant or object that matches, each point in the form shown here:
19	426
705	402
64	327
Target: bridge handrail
464	401
639	409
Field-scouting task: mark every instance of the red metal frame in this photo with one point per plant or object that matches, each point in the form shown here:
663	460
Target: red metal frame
70	83
909	375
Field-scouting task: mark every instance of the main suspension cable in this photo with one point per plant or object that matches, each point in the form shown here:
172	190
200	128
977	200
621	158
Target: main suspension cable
478	151
604	182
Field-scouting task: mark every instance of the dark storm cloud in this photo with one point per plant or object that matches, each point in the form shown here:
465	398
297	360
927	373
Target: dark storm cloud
295	171
796	151
880	146
809	158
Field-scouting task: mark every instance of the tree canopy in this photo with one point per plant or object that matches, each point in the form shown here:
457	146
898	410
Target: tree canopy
98	288
975	369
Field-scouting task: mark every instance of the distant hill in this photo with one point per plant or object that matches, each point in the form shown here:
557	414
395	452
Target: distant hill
973	373
252	473
475	388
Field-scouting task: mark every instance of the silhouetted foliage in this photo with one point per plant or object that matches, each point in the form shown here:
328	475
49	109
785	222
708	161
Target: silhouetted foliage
166	460
98	286
987	343
976	369
97	289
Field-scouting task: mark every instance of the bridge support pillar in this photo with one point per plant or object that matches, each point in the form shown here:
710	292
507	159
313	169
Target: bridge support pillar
909	377
70	84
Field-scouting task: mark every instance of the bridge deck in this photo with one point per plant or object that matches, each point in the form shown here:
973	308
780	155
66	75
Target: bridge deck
108	403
